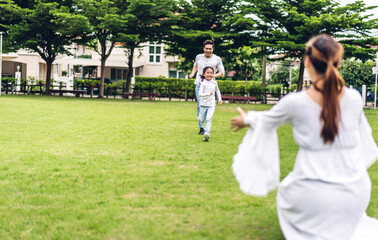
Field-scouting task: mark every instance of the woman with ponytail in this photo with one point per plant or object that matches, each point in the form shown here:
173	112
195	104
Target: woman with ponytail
326	195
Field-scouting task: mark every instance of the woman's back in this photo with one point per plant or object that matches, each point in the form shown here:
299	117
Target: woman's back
307	125
327	193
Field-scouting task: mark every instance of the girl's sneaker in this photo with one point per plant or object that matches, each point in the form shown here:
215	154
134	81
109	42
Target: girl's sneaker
206	137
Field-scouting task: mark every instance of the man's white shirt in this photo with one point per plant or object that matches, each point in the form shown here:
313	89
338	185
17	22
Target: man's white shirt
202	61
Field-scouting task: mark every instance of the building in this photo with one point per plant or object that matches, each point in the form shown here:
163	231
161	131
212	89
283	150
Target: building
149	61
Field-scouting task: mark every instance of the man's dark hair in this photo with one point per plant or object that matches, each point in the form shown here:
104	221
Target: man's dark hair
207	42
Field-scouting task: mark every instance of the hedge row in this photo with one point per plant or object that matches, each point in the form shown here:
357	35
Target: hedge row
227	87
167	87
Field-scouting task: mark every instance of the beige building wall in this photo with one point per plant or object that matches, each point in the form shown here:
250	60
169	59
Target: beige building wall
149	61
28	62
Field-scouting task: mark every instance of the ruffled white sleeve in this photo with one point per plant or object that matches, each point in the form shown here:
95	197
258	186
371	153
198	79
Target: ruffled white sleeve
367	145
256	165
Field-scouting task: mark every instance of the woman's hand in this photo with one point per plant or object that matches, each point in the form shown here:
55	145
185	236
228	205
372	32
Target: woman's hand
238	122
211	92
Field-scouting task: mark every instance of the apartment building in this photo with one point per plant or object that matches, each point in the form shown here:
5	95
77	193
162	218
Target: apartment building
149	60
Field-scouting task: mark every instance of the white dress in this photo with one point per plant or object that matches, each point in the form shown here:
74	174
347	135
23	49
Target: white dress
326	195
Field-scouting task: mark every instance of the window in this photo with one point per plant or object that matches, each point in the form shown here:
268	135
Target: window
172	74
118	73
155	53
56	69
175	74
181	75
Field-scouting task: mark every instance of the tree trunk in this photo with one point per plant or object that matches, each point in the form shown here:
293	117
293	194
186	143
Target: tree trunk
130	70
103	60
102	81
301	72
48	76
263	83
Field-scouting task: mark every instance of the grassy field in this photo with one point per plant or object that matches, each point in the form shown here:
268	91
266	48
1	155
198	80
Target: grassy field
73	168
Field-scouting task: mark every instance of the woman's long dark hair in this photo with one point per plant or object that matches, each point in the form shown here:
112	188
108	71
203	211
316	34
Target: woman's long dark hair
325	55
203	72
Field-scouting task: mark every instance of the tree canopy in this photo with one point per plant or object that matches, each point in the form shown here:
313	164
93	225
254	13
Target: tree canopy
290	24
147	21
269	27
35	26
198	20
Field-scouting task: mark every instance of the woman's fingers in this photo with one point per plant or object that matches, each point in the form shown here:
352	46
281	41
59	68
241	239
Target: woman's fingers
240	111
237	123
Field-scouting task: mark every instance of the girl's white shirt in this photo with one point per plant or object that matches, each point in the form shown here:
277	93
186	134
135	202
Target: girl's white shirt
207	99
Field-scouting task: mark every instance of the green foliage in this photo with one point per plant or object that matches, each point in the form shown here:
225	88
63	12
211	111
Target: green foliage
199	20
288	25
177	87
282	73
84	56
357	73
7	80
146	21
246	63
274	88
293	87
36	27
87	83
97	22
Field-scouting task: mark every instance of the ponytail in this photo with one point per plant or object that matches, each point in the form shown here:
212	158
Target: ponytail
202	77
325	55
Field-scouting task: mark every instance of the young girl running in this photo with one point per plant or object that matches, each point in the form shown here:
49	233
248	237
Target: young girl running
207	99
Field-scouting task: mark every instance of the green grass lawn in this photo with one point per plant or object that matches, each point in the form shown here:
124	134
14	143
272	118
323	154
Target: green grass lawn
73	168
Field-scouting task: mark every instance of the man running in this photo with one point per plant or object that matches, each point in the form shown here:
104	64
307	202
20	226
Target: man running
203	60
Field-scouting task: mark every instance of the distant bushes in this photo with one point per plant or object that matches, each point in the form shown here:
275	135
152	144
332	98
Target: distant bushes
178	87
166	87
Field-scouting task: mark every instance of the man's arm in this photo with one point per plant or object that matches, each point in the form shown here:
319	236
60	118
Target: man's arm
194	70
218	75
220	68
219	96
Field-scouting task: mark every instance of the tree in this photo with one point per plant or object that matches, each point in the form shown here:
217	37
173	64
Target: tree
198	20
10	14
290	24
282	73
357	73
245	63
98	23
147	21
39	30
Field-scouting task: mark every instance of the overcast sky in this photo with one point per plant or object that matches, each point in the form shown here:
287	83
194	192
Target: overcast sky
367	2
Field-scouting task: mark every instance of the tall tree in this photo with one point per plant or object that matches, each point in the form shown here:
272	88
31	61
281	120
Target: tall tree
40	31
10	14
245	63
99	22
357	73
291	23
145	21
198	20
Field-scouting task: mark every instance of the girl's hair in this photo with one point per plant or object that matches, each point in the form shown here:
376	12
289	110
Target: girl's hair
203	72
325	55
